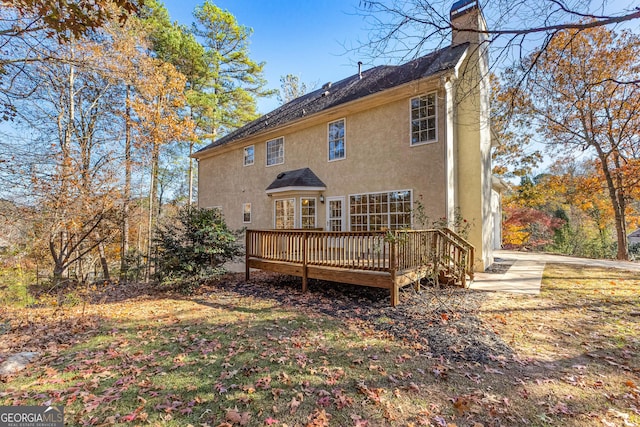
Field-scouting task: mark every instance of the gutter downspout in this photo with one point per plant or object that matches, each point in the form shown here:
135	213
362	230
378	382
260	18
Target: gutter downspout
450	147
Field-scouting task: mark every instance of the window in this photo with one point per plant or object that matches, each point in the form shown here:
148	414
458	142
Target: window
336	140
423	119
275	151
378	211
285	214
246	213
248	155
307	212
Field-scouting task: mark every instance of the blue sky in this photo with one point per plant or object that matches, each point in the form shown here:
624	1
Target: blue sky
311	38
306	38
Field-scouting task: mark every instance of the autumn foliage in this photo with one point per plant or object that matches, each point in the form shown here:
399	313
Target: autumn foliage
566	211
530	228
108	100
581	95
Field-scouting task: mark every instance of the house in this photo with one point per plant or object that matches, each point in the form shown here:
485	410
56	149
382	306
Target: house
634	238
360	154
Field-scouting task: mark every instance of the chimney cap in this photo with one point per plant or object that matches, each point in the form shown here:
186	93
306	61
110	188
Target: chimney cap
461	6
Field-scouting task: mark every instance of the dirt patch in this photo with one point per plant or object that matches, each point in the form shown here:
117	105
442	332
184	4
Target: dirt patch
444	320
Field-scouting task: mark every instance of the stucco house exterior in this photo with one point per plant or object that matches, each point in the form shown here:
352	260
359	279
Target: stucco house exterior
362	153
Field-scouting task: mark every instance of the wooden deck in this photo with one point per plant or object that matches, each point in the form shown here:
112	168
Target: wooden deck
383	259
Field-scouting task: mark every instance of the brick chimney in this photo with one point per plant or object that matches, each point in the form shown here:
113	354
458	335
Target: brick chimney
466	23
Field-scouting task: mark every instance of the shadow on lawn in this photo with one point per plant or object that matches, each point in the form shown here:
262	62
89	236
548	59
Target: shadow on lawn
444	321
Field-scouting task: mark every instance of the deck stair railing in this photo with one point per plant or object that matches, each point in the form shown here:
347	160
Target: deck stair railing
471	250
435	252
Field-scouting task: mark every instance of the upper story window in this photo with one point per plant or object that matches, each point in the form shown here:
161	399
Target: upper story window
423	119
275	151
336	140
249	155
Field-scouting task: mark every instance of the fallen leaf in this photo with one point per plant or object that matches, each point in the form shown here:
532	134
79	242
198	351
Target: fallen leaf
319	418
235	417
462	404
293	405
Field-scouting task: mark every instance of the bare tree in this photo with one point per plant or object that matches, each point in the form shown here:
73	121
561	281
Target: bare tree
403	29
291	88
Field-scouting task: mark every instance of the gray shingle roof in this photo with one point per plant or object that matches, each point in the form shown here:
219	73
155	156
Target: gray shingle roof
375	80
296	178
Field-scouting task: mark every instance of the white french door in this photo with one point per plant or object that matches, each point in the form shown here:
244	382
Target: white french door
336	214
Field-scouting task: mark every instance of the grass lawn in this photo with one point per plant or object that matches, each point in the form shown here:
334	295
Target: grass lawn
265	354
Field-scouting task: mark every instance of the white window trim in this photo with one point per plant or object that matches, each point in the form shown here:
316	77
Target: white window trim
417	144
244	156
293	199
267	152
294	188
315	213
243	212
329	142
348	212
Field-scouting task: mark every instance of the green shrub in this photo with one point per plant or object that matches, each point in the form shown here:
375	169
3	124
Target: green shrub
14	286
195	246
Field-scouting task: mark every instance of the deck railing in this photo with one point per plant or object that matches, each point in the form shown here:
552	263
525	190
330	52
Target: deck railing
434	252
388	251
353	250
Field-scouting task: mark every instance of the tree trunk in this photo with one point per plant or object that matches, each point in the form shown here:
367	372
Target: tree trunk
153	194
65	135
190	174
621	223
616	195
103	260
59	263
126	196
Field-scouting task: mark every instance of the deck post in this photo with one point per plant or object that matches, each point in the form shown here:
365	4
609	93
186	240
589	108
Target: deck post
246	255
304	261
435	255
395	294
464	278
